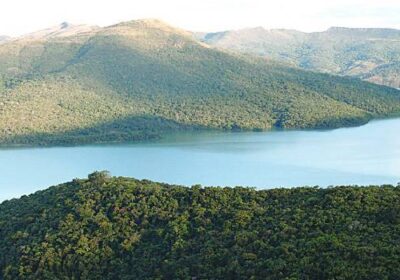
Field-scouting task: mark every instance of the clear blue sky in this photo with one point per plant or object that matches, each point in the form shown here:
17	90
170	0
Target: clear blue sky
22	16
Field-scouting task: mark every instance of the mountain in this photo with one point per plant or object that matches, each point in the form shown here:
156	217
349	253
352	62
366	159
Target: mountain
371	54
3	38
141	79
120	228
64	29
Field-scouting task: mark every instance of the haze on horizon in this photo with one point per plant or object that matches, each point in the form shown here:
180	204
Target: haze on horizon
18	17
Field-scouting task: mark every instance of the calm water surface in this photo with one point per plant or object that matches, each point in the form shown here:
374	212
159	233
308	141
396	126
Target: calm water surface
369	154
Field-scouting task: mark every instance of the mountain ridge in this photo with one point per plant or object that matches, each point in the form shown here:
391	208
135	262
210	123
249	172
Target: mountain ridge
4	38
357	52
64	29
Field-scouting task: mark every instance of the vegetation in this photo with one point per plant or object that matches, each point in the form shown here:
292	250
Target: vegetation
372	54
120	228
138	80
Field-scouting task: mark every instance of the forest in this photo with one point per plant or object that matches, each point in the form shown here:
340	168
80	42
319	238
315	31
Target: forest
107	227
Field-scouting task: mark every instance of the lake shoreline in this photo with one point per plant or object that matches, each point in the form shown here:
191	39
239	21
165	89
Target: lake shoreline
194	129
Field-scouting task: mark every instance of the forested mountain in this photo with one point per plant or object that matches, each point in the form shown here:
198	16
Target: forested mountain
371	54
140	79
120	228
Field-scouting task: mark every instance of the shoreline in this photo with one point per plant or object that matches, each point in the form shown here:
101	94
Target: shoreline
155	138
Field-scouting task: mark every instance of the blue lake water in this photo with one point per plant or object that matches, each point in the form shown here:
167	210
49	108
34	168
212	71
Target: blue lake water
369	154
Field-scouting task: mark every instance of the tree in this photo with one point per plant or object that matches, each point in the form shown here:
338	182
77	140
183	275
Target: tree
99	177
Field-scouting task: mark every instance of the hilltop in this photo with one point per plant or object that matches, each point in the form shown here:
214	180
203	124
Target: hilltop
136	80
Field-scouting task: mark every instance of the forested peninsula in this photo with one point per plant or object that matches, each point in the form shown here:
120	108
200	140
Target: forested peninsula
108	227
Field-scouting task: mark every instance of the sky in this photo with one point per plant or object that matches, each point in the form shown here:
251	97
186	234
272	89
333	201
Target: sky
18	17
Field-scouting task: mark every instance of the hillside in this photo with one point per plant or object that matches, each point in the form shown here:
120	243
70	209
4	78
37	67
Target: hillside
120	228
372	54
140	79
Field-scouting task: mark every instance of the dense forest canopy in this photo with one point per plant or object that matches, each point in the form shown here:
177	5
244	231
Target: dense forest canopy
119	228
140	79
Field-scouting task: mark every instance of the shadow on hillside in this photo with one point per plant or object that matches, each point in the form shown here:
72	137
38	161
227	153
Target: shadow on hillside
145	127
130	129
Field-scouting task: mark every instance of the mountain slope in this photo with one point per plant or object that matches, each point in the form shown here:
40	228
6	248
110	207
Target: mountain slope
120	228
358	52
56	89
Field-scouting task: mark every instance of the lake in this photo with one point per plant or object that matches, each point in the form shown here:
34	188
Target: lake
364	155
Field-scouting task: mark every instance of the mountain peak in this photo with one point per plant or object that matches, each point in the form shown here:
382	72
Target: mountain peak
151	21
65	25
146	23
373	32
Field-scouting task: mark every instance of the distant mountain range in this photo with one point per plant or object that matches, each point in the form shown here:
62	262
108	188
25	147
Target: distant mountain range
65	29
3	38
371	54
140	79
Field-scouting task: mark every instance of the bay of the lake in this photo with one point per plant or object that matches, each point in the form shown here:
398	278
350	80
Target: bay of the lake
364	155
